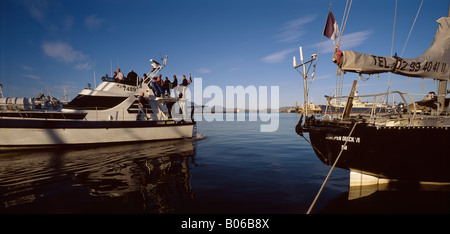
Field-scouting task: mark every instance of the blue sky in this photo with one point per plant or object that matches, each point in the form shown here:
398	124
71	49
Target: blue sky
56	44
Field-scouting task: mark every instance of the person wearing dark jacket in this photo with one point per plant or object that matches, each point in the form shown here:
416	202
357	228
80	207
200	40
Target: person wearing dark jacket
166	86
141	105
175	81
132	77
185	82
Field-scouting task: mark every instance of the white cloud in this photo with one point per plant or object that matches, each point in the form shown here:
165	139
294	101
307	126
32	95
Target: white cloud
92	22
323	77
204	70
66	53
31	76
38	10
293	30
348	41
83	66
277	57
48	15
62	51
27	68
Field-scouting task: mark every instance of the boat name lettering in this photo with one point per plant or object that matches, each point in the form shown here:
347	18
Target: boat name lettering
343	138
129	88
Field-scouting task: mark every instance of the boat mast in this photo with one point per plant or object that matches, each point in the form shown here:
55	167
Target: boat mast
305	106
304	75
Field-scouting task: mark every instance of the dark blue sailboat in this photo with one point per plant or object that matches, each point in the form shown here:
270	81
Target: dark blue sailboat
405	145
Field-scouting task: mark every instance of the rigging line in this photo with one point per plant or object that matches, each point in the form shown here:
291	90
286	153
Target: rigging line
317	58
339	34
318	51
393	30
343	18
338	87
329	173
410	31
320	45
345	22
392	43
336	90
341	87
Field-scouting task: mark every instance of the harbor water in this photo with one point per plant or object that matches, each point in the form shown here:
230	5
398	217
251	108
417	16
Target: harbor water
231	167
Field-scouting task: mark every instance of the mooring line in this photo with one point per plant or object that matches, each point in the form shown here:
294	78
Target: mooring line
329	173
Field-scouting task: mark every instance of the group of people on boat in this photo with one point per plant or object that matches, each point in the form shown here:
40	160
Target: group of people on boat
131	79
162	87
159	86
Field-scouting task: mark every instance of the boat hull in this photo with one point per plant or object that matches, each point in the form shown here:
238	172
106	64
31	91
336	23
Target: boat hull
38	133
399	153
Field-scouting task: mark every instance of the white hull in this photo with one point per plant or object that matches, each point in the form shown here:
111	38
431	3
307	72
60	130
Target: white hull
113	112
21	137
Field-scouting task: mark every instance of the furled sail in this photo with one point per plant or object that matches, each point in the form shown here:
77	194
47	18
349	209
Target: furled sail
434	63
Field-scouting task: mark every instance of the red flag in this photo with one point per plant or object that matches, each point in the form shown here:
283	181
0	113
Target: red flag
331	27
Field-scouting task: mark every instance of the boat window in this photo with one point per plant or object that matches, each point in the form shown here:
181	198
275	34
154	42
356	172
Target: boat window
85	102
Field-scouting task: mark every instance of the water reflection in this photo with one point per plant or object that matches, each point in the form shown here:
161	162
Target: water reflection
143	177
392	198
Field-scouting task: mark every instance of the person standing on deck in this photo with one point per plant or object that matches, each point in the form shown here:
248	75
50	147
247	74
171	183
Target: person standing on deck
141	104
119	75
132	77
166	86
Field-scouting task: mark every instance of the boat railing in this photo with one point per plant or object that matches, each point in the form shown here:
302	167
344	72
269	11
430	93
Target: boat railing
126	81
377	104
12	107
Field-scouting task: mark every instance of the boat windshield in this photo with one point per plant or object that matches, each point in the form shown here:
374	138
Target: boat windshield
123	81
86	102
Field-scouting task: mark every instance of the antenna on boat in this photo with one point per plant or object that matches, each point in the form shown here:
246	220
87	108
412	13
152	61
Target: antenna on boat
164	60
304	75
156	67
95	82
65	95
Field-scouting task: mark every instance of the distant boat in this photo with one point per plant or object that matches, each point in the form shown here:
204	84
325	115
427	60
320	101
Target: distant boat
358	106
41	103
299	109
312	109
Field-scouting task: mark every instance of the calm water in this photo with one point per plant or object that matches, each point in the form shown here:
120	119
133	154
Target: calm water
234	169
